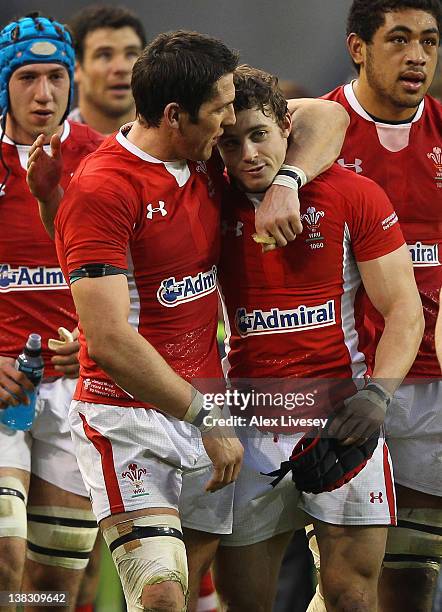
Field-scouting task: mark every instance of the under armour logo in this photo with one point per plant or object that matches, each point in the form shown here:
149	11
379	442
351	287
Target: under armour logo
378	497
161	209
357	166
235	228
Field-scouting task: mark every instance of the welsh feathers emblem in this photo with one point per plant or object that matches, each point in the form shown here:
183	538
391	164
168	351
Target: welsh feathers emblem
312	217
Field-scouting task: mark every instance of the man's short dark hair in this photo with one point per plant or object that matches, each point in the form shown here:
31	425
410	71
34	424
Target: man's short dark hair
367	16
180	67
256	89
96	17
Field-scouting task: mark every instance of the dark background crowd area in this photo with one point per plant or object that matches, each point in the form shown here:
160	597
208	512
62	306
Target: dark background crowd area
301	41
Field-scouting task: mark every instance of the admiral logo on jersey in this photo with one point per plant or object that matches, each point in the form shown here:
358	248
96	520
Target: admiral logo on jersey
284	321
24	278
172	293
424	255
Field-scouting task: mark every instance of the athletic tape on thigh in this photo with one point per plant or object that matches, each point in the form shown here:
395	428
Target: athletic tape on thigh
13	499
416	541
61	536
317	603
148	550
313	545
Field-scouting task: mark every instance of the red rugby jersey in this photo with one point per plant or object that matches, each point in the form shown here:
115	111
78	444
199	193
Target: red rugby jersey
160	222
34	297
291	312
406	160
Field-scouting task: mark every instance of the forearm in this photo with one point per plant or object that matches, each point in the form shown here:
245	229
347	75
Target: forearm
48	209
317	135
139	369
398	346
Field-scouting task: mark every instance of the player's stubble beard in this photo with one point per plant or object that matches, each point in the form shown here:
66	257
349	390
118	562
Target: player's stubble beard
383	92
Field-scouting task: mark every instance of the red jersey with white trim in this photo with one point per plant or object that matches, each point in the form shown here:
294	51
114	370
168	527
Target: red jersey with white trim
160	222
34	297
291	312
406	160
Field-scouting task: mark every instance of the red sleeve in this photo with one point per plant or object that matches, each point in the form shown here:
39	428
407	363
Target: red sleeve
373	224
95	223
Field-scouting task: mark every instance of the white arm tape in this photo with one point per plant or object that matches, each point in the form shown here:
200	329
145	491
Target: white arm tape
291	177
196	414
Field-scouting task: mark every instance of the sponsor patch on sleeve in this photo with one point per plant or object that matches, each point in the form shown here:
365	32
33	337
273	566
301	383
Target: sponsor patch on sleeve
389	221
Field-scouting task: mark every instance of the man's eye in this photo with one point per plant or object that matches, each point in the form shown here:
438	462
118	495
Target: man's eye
259	135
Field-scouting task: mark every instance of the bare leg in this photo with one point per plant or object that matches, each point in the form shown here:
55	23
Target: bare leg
351	559
409	589
246	577
89	584
201	549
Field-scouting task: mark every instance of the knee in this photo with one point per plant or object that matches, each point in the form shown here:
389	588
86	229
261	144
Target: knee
165	596
350	591
11	568
150	558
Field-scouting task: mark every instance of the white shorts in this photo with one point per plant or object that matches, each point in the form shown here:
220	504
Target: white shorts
260	511
46	450
414	433
132	458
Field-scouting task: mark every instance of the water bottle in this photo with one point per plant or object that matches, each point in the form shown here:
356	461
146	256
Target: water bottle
31	363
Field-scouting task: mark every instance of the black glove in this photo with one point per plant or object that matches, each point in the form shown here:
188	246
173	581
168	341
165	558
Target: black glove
319	463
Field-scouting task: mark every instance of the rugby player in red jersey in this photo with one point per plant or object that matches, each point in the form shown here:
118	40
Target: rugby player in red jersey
293	313
395	138
38	467
173	242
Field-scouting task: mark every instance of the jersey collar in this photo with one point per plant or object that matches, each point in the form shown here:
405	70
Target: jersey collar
354	103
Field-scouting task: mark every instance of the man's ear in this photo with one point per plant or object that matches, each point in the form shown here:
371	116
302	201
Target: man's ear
77	72
356	47
172	114
287	125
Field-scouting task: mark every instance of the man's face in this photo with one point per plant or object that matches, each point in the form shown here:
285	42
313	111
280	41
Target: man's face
104	75
254	149
213	117
398	66
38	96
